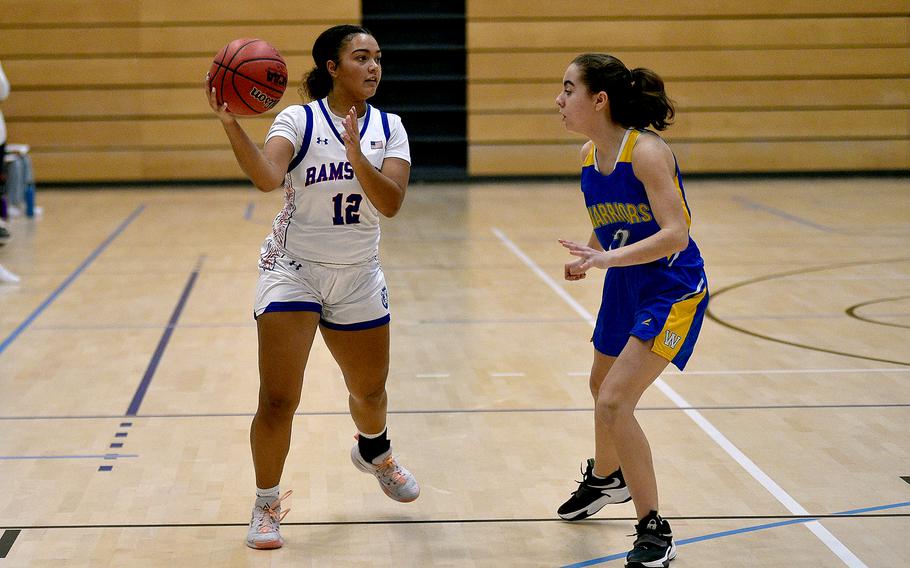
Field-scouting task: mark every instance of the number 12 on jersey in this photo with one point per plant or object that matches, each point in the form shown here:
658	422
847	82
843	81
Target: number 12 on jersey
351	213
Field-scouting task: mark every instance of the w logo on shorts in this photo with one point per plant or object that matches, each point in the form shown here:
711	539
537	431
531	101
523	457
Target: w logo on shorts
385	297
671	339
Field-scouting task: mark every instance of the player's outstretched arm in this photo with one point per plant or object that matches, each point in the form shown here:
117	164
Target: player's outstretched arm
266	169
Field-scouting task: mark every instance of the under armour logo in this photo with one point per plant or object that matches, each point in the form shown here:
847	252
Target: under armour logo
320	140
295	265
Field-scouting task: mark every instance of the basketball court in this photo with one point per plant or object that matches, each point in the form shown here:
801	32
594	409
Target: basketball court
129	380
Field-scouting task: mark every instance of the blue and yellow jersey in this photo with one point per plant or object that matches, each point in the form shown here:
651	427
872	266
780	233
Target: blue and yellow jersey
619	208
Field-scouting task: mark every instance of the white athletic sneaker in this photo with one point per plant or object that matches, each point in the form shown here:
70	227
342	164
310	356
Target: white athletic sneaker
265	524
395	481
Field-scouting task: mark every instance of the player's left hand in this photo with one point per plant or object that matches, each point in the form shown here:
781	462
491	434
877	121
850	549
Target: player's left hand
589	257
350	135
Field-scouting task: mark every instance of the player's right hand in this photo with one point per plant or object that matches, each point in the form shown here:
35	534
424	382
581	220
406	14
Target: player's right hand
573	270
219	109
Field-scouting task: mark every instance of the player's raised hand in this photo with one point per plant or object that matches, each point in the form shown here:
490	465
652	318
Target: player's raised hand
219	109
350	135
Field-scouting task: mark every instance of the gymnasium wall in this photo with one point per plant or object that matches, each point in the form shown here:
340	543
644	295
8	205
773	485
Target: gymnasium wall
110	90
763	86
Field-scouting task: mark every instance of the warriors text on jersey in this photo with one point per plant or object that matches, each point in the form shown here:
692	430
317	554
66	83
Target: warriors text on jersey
664	300
327	217
618	204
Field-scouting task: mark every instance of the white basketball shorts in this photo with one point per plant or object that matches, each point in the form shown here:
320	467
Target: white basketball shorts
347	297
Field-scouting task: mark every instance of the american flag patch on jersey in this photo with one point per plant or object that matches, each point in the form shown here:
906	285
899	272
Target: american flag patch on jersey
375	144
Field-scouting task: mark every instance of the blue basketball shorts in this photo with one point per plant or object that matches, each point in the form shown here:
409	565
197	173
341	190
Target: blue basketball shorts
650	301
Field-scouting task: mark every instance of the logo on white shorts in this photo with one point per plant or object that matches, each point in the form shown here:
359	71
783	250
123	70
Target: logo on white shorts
385	298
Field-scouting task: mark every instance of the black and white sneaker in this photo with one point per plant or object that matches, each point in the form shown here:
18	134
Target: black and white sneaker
592	494
653	546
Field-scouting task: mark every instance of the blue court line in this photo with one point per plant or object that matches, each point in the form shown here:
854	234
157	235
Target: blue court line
125	327
743	530
69	279
249	210
72	457
783	214
162	343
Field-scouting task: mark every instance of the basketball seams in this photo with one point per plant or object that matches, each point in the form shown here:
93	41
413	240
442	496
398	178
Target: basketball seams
247	77
231	61
228	65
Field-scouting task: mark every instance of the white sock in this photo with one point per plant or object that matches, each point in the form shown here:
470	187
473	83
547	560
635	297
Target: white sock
266	496
372	436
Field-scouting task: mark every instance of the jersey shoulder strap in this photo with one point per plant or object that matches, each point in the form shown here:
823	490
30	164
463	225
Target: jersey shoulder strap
305	144
385	124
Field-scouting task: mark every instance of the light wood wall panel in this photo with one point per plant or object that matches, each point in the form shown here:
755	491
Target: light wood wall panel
721	157
107	88
765	125
530	9
694	95
151	41
775	32
703	64
111	90
768	86
130	13
124	73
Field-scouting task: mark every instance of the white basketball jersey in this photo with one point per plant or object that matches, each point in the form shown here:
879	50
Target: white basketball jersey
326	216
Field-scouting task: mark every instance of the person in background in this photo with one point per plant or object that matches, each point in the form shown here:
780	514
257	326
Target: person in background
5	275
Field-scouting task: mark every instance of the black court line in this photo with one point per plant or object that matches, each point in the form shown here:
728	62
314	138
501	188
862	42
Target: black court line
7	540
162	344
710	314
895	405
750	204
851	311
463	521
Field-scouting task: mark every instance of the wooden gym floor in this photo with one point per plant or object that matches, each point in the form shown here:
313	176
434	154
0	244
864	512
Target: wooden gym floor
128	381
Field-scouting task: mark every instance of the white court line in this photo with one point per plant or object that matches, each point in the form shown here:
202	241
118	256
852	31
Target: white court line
768	371
829	540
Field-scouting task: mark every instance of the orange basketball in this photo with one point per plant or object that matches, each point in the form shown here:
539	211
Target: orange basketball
249	75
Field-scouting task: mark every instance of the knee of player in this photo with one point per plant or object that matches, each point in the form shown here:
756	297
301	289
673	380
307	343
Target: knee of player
611	408
372	394
278	405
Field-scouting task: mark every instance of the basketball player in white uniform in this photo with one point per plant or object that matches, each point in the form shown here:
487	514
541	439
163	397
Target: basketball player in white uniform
341	163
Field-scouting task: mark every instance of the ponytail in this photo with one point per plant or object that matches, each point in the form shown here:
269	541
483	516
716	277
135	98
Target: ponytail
317	84
637	97
649	104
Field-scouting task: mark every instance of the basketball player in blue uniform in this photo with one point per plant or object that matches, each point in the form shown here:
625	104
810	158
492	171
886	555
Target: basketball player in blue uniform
341	163
655	290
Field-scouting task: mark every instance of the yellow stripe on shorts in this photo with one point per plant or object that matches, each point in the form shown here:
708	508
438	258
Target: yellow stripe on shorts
673	335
